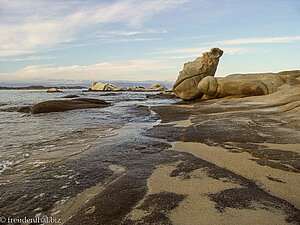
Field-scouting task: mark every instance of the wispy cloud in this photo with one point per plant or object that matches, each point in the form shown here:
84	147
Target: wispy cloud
101	71
259	40
27	58
196	52
228	46
28	26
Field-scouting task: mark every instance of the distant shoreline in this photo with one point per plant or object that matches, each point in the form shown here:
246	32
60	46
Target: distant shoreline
41	87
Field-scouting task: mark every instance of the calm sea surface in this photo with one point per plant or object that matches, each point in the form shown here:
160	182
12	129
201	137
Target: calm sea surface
29	142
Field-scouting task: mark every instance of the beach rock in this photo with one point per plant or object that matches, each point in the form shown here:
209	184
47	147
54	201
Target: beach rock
186	85
70	96
137	88
158	87
51	90
98	86
162	95
65	105
245	84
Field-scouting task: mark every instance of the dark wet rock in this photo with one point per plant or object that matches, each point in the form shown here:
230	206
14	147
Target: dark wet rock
157	206
162	95
275	179
186	85
171	113
110	94
70	96
65	105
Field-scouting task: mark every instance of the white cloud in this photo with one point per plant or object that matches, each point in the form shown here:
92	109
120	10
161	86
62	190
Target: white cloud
128	70
30	26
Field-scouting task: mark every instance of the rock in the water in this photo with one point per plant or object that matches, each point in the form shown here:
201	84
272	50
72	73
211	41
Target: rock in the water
158	87
50	90
98	86
70	96
246	84
162	95
186	85
137	88
65	105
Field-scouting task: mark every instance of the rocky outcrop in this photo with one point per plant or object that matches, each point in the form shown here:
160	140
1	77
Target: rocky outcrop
98	86
136	88
51	90
186	85
241	85
65	105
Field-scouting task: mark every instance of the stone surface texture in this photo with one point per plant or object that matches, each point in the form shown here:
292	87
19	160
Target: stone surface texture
186	85
241	85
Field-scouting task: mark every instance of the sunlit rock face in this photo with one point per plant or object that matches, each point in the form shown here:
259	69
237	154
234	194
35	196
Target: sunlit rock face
246	84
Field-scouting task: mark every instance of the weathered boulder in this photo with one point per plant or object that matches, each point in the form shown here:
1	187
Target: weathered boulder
51	90
246	84
186	85
98	86
65	105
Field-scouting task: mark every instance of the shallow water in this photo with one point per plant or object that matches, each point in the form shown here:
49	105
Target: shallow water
29	142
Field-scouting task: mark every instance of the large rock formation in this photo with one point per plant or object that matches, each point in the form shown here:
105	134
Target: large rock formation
98	86
246	84
186	85
65	105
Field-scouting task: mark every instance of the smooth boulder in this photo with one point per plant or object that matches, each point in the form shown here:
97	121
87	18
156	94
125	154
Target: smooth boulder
98	86
186	85
65	105
246	84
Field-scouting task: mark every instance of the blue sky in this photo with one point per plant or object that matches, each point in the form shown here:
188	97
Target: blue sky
134	40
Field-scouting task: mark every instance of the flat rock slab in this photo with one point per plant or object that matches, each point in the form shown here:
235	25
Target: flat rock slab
65	105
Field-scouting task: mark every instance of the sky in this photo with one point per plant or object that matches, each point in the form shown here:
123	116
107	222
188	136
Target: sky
137	40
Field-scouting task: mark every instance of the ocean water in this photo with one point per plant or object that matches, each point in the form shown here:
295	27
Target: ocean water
29	142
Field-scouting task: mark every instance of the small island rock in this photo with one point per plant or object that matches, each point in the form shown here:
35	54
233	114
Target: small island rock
51	90
98	86
158	87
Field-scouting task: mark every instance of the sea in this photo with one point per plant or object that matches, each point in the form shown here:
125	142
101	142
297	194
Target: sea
30	142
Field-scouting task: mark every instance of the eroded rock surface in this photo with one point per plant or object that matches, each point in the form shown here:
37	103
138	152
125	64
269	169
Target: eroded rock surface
241	85
186	85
